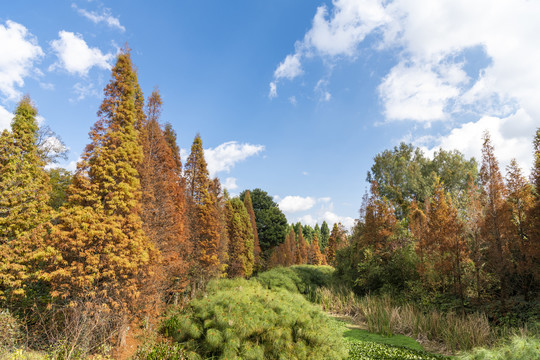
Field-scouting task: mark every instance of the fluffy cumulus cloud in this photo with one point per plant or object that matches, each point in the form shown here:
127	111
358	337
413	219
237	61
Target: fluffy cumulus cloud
292	204
318	210
225	156
437	76
20	51
75	56
103	17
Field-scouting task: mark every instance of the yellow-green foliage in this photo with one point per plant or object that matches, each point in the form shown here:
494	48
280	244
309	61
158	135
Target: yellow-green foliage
239	319
304	279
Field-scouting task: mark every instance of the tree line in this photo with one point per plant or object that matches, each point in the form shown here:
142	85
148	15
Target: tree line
440	228
133	227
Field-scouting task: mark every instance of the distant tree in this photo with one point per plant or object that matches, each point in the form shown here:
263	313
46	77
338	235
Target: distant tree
308	232
221	214
404	174
520	201
24	198
271	222
495	228
204	219
258	262
163	202
332	245
325	235
315	257
240	235
105	256
302	249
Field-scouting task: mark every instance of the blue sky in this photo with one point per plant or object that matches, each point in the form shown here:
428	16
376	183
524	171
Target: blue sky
293	97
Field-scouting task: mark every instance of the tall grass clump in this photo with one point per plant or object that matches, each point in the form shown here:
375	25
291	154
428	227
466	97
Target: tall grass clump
385	316
517	348
240	319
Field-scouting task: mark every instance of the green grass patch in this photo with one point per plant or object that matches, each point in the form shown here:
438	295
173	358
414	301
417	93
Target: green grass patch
517	348
396	340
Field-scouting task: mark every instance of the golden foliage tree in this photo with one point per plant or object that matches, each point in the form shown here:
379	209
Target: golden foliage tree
332	244
24	197
285	253
163	205
104	255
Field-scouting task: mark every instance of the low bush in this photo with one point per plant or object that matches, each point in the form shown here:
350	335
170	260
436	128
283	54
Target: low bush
239	319
517	348
303	279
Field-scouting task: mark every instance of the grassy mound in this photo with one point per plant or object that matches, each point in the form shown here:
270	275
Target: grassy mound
303	279
240	319
365	350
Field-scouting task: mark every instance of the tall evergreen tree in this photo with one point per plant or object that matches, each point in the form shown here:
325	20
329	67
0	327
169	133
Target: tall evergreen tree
302	248
332	245
325	235
105	257
24	196
534	212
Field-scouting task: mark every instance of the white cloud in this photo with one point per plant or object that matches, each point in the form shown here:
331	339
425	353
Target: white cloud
289	68
75	56
305	173
292	204
230	183
5	118
104	17
332	218
420	92
273	90
226	155
511	137
20	51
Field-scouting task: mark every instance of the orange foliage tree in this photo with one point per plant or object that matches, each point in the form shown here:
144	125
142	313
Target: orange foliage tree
315	257
163	205
301	249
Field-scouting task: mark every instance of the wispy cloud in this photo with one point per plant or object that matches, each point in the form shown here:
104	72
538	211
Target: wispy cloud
104	17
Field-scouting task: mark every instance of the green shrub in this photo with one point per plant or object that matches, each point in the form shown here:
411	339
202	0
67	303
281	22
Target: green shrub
518	348
303	279
239	319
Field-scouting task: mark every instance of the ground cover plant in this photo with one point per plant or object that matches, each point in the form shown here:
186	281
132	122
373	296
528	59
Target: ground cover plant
240	319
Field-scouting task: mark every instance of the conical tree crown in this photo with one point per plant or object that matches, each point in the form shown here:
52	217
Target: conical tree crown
104	251
24	197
